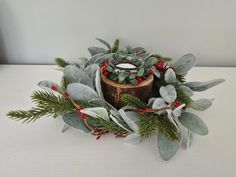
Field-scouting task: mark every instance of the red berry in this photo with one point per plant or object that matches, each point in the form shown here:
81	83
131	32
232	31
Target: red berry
79	110
139	79
160	65
177	104
98	137
106	64
53	87
106	73
84	116
151	71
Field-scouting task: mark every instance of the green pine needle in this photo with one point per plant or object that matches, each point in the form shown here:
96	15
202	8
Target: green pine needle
151	123
132	101
47	104
116	46
61	62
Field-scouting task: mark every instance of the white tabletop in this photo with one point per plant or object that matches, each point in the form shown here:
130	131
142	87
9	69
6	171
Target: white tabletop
40	149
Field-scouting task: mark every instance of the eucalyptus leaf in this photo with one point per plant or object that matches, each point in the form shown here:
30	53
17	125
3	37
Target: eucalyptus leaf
184	64
170	76
156	72
78	91
168	93
48	84
186	90
202	86
98	84
133	138
178	111
74	74
122	76
96	112
167	148
96	50
159	103
74	120
193	123
150	61
201	104
64	128
130	118
140	72
91	71
104	43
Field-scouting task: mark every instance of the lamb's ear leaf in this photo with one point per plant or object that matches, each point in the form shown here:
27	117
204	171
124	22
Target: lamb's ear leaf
133	138
104	43
193	123
170	76
96	112
98	84
168	93
202	86
130	118
96	50
78	91
184	64
159	103
74	74
201	104
186	90
91	71
47	85
167	148
74	120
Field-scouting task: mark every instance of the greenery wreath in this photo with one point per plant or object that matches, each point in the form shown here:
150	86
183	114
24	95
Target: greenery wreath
80	102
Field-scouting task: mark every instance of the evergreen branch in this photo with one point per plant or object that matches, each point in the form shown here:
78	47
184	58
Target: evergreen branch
110	126
132	101
64	83
180	78
61	62
183	98
46	104
150	123
116	46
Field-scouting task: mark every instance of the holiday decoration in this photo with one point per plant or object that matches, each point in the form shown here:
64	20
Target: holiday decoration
128	92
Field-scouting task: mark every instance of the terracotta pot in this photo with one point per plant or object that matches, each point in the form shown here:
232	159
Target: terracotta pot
112	90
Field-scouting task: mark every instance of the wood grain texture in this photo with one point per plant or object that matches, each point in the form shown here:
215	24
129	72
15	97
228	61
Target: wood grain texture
112	90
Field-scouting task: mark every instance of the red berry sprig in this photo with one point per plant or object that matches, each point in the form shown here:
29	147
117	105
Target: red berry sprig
160	65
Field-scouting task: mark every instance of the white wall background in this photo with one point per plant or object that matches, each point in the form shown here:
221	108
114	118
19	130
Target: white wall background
36	31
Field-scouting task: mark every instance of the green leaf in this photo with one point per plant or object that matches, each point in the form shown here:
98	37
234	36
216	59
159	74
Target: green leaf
159	103
96	50
140	72
193	123
186	90
74	120
133	138
104	43
109	68
99	60
61	62
96	112
138	50
184	64
201	104
150	62
168	93
48	84
79	91
202	86
156	72
91	71
167	148
74	74
98	84
170	76
130	118
123	75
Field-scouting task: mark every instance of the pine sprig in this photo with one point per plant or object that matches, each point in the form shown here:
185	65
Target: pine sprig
110	126
132	101
150	123
64	83
183	98
47	104
61	62
116	46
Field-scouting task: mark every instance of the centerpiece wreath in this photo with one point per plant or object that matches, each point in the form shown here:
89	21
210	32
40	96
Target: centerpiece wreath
128	92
